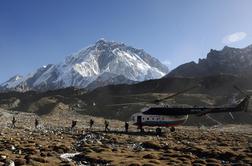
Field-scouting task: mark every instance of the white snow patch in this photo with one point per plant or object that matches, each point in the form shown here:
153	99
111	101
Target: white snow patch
68	156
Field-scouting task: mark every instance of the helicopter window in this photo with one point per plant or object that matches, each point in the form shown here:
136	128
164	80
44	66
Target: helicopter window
152	118
148	118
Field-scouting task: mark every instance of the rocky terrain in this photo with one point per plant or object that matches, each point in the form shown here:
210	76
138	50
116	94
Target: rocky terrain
230	61
53	143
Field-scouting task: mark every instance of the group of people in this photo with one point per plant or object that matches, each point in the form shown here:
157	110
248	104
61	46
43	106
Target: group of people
106	125
74	123
13	122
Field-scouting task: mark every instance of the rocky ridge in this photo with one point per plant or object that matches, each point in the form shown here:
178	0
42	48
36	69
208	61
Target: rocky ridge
229	61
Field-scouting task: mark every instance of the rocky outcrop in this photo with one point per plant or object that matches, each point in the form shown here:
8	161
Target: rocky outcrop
231	61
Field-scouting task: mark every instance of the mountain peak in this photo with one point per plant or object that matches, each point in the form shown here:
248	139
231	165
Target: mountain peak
249	47
87	65
101	41
13	81
15	78
226	48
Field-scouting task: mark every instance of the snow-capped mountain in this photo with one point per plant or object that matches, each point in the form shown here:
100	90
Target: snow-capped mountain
105	61
13	81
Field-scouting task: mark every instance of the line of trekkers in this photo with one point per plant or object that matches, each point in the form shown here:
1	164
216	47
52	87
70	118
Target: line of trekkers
74	123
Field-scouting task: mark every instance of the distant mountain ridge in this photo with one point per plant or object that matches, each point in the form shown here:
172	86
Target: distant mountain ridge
231	61
101	64
214	90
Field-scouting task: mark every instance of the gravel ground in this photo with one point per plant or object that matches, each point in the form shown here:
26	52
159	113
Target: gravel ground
54	143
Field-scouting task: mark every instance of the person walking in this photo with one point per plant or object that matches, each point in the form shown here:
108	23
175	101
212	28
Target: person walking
91	123
106	123
36	123
126	125
74	123
14	122
140	127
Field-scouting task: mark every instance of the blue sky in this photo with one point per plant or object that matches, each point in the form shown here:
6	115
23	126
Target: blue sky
34	33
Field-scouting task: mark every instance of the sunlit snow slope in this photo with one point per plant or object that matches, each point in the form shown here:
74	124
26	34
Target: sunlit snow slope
103	62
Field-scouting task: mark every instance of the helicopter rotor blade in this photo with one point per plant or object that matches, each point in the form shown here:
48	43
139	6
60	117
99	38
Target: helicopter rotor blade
241	91
155	101
176	94
125	104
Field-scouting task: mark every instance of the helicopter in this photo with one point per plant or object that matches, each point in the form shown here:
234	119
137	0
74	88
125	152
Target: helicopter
171	116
